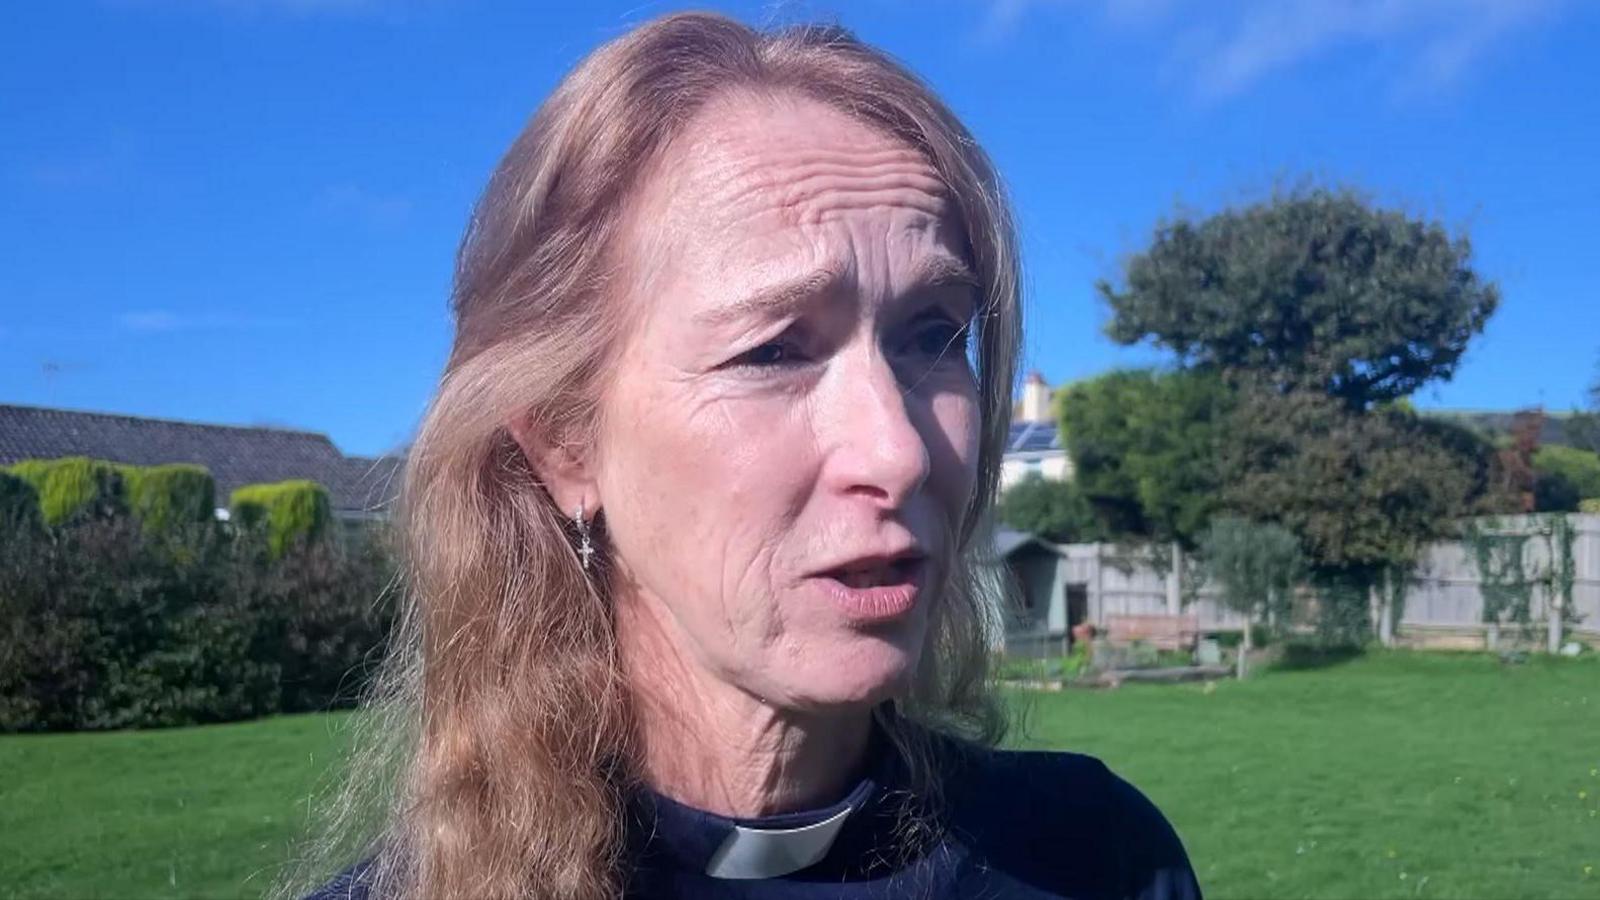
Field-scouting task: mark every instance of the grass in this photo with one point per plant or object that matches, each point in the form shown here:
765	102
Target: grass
186	812
1393	775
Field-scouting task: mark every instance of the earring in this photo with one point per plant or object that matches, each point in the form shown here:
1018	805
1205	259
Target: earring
585	544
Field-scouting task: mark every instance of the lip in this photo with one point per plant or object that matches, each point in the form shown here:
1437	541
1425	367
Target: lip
885	602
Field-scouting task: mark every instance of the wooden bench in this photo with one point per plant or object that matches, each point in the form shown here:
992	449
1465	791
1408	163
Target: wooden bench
1162	632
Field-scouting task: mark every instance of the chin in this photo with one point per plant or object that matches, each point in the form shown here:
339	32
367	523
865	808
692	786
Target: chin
868	674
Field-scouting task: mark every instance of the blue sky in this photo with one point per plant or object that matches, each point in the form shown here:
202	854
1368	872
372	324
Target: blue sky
245	211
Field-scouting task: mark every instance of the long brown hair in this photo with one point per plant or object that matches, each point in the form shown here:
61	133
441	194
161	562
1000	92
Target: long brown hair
494	751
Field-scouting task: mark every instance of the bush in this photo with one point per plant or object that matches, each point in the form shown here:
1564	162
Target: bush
330	607
163	497
19	505
108	624
1579	468
74	486
292	512
1343	621
167	617
1590	506
1261	637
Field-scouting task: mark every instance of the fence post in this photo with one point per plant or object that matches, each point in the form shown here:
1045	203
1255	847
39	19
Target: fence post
1175	581
1553	625
1386	611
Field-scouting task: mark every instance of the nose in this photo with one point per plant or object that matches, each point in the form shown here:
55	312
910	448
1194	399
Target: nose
879	451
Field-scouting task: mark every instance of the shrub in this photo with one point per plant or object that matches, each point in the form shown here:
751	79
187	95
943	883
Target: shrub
1590	506
19	505
330	607
165	496
1580	468
74	486
107	624
292	512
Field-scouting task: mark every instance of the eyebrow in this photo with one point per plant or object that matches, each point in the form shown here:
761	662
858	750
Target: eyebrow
773	300
783	297
945	271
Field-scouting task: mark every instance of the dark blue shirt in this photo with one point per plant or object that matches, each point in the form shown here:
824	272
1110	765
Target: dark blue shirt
1014	826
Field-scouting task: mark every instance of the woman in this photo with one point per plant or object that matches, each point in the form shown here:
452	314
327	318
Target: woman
695	522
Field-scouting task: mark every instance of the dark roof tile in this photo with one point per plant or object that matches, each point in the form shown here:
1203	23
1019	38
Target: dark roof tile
235	455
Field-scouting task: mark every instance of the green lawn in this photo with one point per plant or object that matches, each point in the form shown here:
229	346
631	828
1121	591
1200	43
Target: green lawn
1396	775
187	812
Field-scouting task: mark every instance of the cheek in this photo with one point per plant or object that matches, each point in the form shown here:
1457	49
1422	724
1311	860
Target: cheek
954	452
694	492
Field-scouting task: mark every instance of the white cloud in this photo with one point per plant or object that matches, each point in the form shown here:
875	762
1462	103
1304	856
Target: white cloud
1222	48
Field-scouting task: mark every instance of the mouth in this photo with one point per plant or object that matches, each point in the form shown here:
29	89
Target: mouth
874	572
876	588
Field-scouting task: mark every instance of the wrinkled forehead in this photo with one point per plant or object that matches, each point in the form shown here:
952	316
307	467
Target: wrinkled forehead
751	181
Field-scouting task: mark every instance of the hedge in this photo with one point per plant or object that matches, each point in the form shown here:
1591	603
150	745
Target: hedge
164	496
19	505
105	623
74	486
292	512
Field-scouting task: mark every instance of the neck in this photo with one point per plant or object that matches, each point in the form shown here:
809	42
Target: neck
716	747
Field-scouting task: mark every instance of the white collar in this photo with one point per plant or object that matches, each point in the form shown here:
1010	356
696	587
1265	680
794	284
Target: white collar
774	852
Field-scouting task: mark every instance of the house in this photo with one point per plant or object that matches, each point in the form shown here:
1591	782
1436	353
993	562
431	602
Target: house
1034	446
359	487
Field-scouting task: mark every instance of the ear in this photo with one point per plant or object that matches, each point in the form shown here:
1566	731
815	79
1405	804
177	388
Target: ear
566	470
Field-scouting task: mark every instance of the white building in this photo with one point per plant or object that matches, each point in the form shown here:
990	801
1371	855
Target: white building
1034	446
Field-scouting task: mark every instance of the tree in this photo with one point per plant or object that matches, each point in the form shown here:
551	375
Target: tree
1258	566
1519	480
1144	446
1363	491
1313	290
1583	428
1054	510
1564	476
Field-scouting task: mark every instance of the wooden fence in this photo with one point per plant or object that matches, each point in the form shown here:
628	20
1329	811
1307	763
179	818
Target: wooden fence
1523	558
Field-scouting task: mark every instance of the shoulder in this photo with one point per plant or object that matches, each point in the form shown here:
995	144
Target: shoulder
1067	823
354	883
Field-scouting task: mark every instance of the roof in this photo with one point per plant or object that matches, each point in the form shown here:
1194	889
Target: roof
1033	437
236	456
1008	542
1553	430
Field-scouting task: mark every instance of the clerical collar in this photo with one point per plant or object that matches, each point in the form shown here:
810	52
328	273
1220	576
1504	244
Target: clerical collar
749	848
774	852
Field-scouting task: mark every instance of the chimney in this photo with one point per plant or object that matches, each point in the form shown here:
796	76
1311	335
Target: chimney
1035	399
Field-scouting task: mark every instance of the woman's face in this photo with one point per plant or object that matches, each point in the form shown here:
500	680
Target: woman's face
790	437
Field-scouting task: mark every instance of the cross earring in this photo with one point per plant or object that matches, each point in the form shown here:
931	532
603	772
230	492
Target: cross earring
585	544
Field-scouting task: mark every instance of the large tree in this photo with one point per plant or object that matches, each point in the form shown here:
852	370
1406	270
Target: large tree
1052	509
1315	289
1144	446
1363	491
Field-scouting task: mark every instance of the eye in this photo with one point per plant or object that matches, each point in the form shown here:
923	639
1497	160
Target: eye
939	336
772	354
